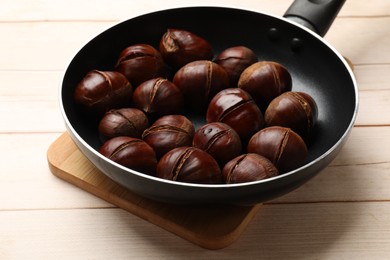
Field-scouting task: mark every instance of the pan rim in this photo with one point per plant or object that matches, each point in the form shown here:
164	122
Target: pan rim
335	146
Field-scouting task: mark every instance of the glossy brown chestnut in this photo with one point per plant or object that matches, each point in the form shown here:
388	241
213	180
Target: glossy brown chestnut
100	91
140	62
189	164
235	60
169	132
130	152
248	167
236	108
219	140
158	96
282	146
179	47
264	81
296	110
199	81
123	122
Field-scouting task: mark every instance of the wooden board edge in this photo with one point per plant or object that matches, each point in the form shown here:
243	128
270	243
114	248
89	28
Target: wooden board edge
205	240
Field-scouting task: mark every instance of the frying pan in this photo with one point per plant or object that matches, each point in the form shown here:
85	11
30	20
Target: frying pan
293	40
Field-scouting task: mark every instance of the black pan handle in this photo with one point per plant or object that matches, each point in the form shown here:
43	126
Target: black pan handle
317	15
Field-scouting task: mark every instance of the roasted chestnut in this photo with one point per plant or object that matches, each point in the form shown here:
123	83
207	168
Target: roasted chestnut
169	132
179	47
189	164
140	62
264	81
100	91
199	81
236	108
123	122
248	167
130	152
281	145
158	96
219	140
235	60
296	110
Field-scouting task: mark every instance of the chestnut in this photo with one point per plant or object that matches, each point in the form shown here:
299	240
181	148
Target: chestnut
235	60
179	47
189	164
296	110
140	62
264	81
122	122
158	96
236	108
169	132
281	145
248	167
199	81
100	91
130	152
219	140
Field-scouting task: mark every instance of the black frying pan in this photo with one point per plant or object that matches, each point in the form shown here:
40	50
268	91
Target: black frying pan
315	66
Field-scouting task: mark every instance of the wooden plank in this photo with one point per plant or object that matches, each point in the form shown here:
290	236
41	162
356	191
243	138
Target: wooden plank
30	114
51	45
294	231
118	10
365	145
54	52
24	10
372	108
30	83
344	183
372	76
26	181
362	40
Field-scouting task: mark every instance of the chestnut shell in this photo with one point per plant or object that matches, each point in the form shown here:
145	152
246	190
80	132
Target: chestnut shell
296	110
236	108
189	164
158	96
219	140
130	152
140	62
122	122
199	81
100	91
235	60
282	146
169	132
264	81
179	47
248	167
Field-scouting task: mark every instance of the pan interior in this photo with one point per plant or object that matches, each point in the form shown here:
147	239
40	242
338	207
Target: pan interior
315	68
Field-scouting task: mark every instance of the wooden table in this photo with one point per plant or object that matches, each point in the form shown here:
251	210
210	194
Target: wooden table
343	213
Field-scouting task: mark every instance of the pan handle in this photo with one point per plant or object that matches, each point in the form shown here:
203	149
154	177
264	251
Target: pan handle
317	15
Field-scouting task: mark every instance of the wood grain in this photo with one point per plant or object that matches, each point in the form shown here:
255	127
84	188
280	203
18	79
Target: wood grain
343	213
294	231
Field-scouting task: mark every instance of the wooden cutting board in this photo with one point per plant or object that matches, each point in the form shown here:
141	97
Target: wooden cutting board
209	227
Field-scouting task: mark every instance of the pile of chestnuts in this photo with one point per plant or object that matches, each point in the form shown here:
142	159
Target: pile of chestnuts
255	126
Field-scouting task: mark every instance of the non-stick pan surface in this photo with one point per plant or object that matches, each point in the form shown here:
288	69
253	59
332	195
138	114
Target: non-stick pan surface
316	68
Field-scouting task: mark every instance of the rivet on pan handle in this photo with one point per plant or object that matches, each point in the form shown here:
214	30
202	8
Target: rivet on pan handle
317	15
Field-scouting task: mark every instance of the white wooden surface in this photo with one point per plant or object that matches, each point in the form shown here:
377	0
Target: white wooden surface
343	213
